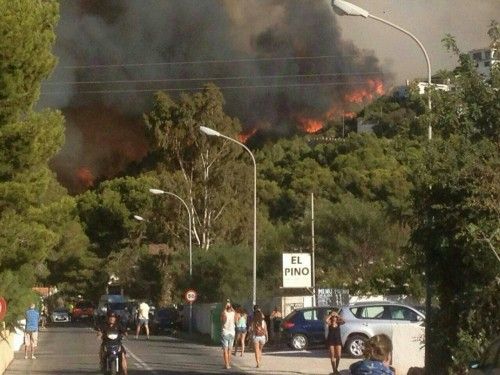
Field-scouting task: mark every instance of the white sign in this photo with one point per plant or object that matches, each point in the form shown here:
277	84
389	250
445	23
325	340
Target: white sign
190	295
296	270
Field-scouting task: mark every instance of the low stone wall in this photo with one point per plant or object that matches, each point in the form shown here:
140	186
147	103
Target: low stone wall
408	347
6	350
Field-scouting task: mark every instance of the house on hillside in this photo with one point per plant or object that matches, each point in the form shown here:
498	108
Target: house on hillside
485	59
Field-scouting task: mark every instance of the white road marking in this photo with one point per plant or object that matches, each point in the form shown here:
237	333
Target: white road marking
139	361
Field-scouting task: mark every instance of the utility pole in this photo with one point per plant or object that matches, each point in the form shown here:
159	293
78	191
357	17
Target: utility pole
312	251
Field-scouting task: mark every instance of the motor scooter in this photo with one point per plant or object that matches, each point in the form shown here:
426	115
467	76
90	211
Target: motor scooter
112	355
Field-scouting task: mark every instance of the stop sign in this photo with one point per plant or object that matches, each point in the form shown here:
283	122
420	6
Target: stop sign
3	308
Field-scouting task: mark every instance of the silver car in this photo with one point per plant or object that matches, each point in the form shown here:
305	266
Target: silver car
364	320
60	316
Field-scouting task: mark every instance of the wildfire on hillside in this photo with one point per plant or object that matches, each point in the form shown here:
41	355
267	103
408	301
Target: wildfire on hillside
85	177
243	137
278	75
310	125
375	88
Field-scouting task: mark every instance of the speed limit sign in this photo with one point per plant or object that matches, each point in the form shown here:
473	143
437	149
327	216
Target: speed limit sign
190	295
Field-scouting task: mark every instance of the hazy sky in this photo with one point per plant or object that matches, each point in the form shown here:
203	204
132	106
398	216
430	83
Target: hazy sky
429	21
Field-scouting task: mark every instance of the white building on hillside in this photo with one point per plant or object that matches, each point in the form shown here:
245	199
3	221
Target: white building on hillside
402	91
485	59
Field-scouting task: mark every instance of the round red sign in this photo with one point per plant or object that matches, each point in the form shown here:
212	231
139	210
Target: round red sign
190	295
3	308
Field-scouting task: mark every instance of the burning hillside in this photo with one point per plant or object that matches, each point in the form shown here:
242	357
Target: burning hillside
282	66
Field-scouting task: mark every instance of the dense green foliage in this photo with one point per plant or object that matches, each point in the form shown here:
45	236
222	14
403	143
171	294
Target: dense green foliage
457	218
41	240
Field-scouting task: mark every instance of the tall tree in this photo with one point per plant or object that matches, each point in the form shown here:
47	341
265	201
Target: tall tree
457	219
36	215
211	174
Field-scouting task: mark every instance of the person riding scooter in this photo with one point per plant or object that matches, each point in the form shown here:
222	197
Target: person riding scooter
111	333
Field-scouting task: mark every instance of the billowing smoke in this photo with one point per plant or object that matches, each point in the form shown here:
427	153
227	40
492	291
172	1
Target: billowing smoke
282	65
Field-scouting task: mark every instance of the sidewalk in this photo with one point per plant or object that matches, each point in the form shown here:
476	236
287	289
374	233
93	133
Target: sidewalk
311	362
280	359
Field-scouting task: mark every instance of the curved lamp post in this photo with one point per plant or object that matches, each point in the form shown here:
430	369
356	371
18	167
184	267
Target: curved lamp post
349	9
215	133
160	192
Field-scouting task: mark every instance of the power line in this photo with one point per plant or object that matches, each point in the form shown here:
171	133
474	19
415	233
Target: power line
315	75
291	85
194	62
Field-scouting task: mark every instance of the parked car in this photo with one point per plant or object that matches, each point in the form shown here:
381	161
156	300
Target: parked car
305	326
83	310
102	308
364	320
489	363
60	315
122	310
165	320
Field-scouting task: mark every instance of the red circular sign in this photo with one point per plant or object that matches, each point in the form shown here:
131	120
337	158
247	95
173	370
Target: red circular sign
190	295
3	308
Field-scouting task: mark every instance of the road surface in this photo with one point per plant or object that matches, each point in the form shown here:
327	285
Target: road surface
73	350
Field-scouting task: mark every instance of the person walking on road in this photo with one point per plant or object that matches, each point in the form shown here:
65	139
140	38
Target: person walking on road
32	317
44	314
228	332
142	319
377	355
275	319
241	329
260	335
333	340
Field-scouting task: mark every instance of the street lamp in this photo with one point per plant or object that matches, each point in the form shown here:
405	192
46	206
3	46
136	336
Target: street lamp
160	192
215	133
349	9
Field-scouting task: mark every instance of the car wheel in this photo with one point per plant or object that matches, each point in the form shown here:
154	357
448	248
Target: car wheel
299	342
355	345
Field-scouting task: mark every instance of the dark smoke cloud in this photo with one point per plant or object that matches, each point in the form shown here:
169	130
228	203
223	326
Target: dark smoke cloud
108	34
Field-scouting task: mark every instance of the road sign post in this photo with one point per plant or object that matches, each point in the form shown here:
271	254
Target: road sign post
190	297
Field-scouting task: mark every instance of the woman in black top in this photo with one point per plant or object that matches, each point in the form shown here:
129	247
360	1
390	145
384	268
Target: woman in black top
333	340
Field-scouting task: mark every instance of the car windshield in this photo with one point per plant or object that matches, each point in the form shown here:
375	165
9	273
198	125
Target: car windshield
60	311
117	306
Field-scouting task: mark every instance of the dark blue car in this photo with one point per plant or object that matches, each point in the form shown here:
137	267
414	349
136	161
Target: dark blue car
165	320
305	327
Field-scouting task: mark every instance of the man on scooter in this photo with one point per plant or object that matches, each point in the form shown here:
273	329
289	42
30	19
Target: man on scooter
112	326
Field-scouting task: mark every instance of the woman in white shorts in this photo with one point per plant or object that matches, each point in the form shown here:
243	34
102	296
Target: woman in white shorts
259	329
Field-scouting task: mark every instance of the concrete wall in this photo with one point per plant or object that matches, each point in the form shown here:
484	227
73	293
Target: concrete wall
201	317
408	347
6	350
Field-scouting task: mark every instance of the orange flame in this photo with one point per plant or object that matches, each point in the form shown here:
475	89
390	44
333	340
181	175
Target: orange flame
334	113
85	177
310	125
375	88
243	137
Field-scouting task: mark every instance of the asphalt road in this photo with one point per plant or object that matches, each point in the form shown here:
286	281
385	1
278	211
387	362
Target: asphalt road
73	349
